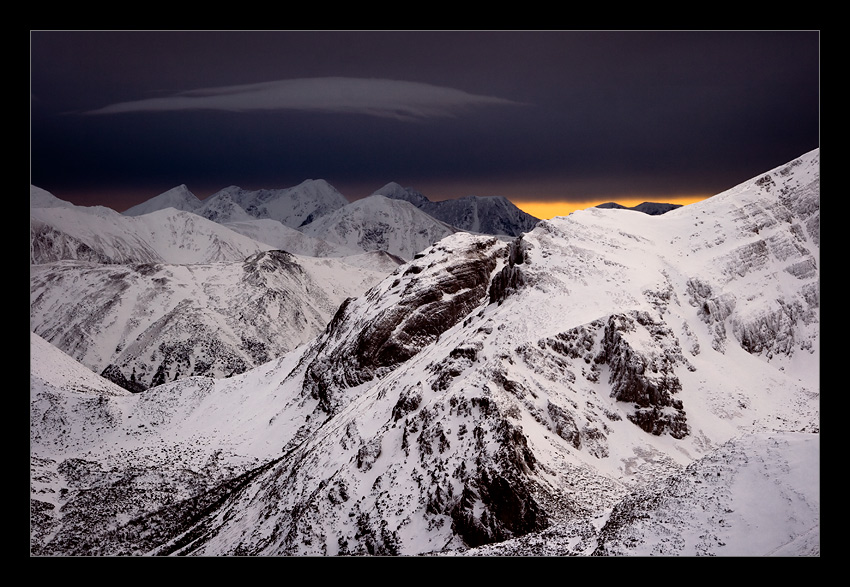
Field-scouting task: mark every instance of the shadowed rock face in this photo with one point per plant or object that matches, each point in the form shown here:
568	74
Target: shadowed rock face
641	353
510	277
423	314
497	502
433	297
259	266
645	376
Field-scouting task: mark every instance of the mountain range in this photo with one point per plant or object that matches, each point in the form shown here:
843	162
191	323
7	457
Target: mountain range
488	215
606	383
158	281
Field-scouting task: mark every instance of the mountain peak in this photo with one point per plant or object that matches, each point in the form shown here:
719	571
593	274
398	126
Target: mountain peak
397	192
179	198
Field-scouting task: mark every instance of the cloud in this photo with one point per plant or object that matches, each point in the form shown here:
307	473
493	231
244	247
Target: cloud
401	100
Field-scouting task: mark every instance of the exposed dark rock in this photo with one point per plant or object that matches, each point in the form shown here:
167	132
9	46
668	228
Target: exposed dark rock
114	374
257	267
564	424
409	400
368	453
509	511
576	342
497	502
432	301
713	310
510	278
645	377
459	359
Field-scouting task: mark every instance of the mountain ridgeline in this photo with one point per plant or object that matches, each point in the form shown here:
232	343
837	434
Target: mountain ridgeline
606	383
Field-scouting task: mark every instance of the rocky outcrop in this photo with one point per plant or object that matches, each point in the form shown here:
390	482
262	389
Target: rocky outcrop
481	476
712	309
641	354
428	299
644	375
498	505
510	277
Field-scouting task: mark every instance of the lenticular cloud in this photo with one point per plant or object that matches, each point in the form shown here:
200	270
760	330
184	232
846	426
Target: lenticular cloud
375	97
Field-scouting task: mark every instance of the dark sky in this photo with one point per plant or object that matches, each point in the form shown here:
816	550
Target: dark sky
118	117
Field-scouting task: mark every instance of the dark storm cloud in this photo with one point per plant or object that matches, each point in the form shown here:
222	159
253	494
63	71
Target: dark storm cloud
583	113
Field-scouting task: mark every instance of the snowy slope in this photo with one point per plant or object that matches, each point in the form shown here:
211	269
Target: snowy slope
94	459
755	495
145	324
56	369
101	235
378	223
558	388
487	215
280	236
40	198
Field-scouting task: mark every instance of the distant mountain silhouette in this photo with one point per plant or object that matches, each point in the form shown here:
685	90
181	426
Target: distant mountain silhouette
651	208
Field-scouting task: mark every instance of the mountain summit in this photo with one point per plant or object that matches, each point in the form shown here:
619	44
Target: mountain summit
179	198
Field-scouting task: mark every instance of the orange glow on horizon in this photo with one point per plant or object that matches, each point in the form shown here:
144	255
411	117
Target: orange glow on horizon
546	210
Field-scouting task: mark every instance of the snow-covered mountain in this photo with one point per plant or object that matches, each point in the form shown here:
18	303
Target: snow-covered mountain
293	207
151	298
346	228
222	208
651	208
101	235
378	223
179	198
609	383
145	324
482	214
